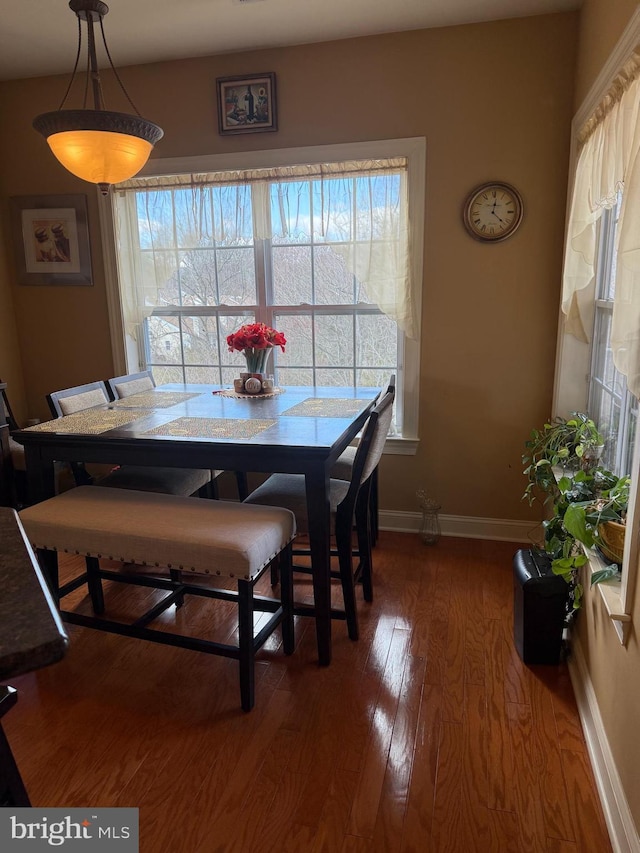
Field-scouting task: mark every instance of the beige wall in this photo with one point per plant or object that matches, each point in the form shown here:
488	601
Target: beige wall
494	101
601	25
10	367
614	670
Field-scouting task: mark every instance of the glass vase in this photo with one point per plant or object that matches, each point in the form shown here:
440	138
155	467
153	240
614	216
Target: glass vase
430	522
257	360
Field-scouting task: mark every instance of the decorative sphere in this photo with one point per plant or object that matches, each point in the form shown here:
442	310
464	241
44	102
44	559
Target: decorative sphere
253	386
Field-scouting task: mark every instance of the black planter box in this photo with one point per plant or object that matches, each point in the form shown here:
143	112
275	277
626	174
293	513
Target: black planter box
539	608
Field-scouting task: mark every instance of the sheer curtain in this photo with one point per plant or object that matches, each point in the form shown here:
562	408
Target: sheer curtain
609	161
350	207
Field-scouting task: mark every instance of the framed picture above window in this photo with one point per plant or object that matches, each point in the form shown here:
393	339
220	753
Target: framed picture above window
247	104
51	239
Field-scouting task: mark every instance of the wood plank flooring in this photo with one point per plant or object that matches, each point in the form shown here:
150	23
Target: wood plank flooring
428	735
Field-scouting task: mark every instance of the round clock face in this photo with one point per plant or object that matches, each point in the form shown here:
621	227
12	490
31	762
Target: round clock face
493	211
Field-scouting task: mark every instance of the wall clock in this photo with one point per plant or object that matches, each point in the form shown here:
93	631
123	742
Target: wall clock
492	211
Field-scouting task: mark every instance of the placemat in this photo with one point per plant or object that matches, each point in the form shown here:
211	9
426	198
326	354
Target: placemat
323	407
213	427
89	422
153	399
229	392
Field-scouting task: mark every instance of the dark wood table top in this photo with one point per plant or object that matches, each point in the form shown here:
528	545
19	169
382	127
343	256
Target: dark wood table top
310	421
31	632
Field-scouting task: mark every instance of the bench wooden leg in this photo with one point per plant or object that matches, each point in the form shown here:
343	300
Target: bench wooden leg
176	575
245	644
94	583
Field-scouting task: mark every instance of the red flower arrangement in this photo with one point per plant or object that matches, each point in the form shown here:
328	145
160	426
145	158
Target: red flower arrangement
255	341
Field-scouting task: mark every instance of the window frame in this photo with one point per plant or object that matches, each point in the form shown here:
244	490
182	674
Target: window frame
574	360
125	353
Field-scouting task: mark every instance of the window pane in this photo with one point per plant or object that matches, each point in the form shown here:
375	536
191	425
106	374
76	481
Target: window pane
377	341
290	212
291	275
334	341
200	340
336	378
236	276
155	219
378	203
333	210
164	340
164	375
334	284
298	330
159	272
202	375
193	217
294	376
233	215
197	274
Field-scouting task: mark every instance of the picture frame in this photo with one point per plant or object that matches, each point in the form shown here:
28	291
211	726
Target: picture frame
51	239
247	104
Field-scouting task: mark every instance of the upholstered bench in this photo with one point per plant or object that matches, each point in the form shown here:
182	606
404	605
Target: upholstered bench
173	537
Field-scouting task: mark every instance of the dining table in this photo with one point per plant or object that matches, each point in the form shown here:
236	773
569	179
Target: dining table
300	430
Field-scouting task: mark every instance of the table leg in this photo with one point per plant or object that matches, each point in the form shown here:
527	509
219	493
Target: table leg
319	517
40	475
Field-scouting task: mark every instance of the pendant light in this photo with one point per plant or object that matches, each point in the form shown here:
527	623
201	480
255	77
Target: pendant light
95	144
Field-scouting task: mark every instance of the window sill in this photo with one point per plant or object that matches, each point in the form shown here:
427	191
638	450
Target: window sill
398	446
611	595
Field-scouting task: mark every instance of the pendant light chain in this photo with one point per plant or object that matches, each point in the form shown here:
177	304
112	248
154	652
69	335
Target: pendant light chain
75	67
113	68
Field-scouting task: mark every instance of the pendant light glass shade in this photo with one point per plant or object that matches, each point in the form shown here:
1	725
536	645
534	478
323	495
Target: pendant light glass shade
97	145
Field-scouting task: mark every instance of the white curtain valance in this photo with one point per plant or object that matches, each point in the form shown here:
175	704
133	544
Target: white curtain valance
216	208
608	162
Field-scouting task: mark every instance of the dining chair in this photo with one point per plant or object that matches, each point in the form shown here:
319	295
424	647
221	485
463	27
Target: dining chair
349	501
171	481
137	383
343	469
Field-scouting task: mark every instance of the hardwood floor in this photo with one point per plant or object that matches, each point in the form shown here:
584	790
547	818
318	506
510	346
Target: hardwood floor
428	734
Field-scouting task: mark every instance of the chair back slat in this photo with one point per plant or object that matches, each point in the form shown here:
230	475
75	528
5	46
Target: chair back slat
11	421
134	383
371	444
77	399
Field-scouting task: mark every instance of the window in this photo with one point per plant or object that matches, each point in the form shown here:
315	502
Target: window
599	338
611	404
318	251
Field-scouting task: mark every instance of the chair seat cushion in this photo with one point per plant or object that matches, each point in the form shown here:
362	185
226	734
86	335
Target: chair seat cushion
288	490
343	467
168	481
208	537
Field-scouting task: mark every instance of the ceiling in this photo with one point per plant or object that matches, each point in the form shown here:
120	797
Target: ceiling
39	37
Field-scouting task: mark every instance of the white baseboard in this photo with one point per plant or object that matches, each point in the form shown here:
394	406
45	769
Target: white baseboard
467	527
622	830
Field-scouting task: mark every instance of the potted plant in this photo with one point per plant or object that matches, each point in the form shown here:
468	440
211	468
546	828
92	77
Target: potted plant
570	443
587	506
561	461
